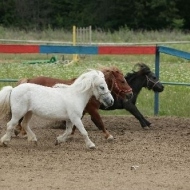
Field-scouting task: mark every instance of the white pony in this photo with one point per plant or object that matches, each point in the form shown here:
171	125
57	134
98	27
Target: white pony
63	102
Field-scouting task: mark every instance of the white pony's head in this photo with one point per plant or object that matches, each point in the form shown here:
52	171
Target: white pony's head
95	81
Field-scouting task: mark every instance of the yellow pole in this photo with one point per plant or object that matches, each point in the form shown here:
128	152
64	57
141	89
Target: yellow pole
75	57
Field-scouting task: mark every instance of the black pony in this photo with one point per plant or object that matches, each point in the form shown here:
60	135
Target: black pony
143	77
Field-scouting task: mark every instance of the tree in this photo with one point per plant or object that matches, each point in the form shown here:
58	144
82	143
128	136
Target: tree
7	16
104	14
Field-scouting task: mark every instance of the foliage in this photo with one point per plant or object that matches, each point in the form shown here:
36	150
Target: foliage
105	14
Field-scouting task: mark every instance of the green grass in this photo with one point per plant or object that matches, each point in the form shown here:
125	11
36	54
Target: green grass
174	101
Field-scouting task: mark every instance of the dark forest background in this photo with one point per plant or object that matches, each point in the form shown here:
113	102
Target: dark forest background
105	14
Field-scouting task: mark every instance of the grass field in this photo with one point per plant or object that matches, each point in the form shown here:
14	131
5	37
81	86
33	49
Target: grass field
174	101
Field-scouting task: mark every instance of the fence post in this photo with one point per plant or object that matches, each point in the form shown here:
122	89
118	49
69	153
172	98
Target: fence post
157	71
75	56
90	34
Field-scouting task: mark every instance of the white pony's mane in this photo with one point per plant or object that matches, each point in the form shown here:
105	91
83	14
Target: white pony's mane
60	85
84	81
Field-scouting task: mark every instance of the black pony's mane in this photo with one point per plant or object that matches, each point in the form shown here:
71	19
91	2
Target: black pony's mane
138	69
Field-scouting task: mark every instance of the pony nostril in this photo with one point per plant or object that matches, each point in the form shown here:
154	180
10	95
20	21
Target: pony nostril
129	96
162	88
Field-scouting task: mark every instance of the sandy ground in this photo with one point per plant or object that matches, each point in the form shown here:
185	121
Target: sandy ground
158	159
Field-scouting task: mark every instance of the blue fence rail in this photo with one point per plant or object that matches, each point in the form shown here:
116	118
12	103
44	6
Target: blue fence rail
169	51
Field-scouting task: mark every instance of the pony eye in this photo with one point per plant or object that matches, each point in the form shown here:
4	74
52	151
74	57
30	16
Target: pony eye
102	87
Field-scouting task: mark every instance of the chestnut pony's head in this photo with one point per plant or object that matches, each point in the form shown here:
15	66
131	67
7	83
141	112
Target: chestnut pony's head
116	82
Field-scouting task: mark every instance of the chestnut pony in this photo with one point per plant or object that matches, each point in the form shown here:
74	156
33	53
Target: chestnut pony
116	84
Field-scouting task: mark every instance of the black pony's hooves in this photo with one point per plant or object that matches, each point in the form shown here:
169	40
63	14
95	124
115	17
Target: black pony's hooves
146	128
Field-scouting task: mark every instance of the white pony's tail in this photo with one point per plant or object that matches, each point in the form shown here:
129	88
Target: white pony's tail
5	108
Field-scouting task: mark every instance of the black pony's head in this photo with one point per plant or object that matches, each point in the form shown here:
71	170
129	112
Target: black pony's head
147	78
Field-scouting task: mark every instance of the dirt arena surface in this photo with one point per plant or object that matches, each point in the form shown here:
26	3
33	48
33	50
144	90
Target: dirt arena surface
158	159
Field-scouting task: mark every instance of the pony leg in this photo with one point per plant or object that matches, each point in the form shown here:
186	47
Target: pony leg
99	123
92	108
19	129
78	123
131	107
74	127
73	130
65	136
10	127
97	120
25	125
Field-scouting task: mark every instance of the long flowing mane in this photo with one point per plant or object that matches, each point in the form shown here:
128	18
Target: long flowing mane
60	85
86	80
138	69
83	82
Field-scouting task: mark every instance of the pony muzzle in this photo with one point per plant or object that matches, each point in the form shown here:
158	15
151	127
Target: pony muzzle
106	99
127	93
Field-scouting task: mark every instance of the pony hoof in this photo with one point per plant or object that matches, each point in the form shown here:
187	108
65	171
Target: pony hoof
56	143
16	132
70	137
23	136
5	144
146	128
110	138
35	143
92	147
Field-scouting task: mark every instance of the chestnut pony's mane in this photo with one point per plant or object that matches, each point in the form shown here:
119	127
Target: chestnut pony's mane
111	74
111	69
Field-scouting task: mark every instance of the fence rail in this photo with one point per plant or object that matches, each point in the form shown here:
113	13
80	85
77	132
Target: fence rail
8	41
